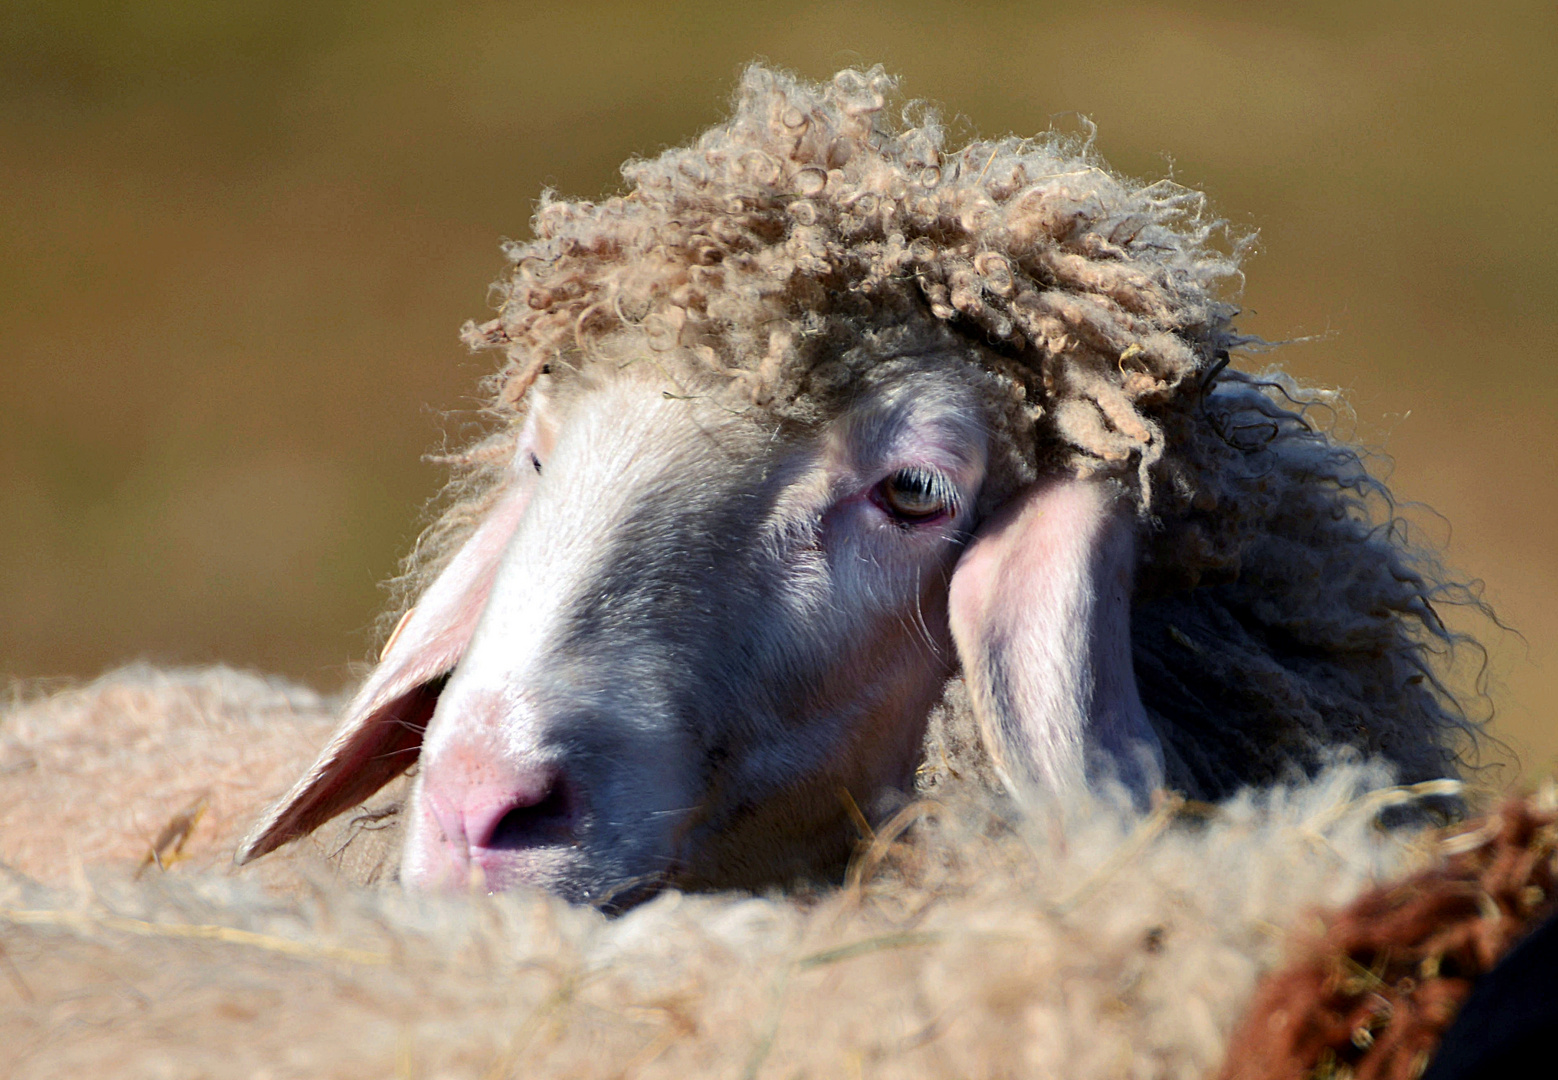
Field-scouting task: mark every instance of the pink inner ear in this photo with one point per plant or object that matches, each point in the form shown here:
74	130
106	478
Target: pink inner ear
1040	612
382	747
381	734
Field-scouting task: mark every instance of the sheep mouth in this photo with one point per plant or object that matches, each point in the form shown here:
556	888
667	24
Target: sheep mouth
566	871
556	868
626	895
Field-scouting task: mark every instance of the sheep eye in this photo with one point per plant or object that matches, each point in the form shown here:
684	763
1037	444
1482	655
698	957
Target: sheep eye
914	495
535	461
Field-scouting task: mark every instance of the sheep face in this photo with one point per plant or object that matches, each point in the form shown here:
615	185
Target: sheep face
690	643
704	637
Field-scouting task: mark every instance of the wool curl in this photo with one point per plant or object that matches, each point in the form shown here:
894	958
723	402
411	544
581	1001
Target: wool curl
1280	607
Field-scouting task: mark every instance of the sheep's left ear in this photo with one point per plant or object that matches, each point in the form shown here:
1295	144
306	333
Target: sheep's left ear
1040	610
380	736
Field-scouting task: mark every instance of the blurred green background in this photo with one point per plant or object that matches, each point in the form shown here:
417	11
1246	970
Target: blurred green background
239	238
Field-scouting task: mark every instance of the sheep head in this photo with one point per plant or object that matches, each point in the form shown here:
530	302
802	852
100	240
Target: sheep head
819	414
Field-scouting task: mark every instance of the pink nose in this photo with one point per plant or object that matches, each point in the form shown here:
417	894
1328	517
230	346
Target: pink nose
492	808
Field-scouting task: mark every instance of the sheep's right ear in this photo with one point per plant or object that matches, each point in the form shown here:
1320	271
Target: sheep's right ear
381	733
1040	612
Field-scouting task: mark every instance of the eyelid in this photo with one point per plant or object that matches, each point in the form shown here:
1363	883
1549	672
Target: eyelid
937	485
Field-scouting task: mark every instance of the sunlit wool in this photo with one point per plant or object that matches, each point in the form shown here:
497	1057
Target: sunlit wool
1095	943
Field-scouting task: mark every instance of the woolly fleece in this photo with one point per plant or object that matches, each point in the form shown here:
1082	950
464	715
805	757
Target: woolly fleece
1099	944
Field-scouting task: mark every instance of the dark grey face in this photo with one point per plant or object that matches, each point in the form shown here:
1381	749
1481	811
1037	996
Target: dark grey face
703	639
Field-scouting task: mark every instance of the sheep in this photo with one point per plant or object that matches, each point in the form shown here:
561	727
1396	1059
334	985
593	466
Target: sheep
828	463
804	271
1381	992
145	769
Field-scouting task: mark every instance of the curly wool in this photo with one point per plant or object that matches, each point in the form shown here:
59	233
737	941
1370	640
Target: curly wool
811	236
807	210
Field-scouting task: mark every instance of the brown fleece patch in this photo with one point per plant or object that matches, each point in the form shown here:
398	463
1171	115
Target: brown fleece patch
1373	995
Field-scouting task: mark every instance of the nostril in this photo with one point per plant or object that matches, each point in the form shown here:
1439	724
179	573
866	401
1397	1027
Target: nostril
530	809
502	808
548	822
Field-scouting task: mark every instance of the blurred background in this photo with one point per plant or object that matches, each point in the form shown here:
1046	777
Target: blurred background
237	241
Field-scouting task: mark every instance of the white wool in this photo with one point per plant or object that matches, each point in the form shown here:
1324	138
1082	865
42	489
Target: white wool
1097	943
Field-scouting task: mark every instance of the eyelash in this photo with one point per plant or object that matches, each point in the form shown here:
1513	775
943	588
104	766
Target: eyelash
898	494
